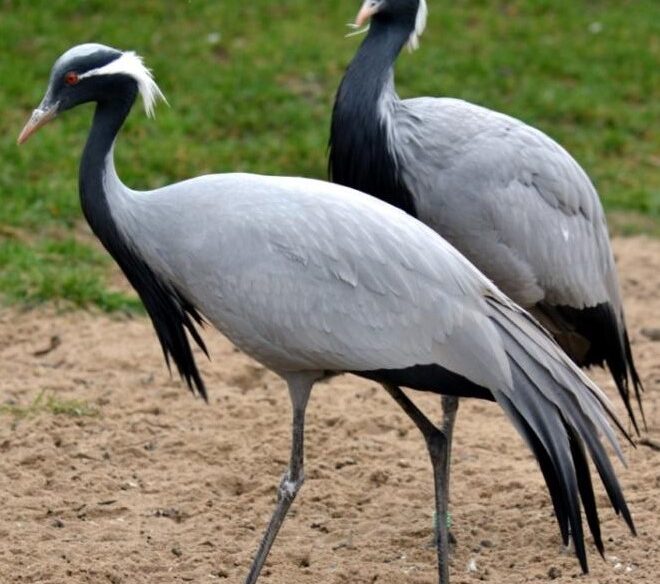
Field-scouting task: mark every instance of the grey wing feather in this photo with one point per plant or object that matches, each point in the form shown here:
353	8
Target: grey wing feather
511	199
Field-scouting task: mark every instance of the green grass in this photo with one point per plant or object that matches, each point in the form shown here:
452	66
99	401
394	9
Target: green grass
58	269
49	404
251	86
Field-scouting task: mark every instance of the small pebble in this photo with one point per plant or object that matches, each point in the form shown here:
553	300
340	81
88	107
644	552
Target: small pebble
651	333
554	573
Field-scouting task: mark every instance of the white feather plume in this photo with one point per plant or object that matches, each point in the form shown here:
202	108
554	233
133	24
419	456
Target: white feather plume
131	64
420	25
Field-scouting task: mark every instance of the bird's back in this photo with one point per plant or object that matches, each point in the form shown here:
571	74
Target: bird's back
510	198
306	274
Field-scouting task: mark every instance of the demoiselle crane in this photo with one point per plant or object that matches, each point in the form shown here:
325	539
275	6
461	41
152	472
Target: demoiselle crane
507	196
314	279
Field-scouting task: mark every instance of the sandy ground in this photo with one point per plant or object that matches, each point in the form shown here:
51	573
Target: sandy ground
159	487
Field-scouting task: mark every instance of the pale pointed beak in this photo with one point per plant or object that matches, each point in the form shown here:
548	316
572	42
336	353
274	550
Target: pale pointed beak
40	117
369	8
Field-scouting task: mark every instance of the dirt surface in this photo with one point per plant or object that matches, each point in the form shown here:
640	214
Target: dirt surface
159	487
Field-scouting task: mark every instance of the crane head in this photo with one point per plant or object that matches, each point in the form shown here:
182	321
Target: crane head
409	13
87	73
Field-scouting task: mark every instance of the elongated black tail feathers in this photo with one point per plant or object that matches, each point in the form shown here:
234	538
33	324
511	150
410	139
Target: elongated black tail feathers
562	416
610	345
171	314
596	335
634	376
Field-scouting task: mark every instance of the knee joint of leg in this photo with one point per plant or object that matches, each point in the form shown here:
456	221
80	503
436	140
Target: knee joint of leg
288	487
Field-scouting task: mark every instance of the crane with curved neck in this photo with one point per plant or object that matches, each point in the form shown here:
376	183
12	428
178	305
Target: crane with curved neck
170	312
313	280
507	196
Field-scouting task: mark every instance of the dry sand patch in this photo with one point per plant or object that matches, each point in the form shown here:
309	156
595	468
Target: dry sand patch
159	487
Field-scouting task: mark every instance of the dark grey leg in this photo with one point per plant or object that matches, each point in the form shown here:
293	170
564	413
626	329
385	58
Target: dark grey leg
437	446
299	390
449	411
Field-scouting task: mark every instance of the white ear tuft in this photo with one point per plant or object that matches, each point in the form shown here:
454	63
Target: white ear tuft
131	64
420	25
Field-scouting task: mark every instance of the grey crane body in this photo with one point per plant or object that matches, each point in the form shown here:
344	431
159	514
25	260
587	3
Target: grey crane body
318	272
510	198
314	279
507	196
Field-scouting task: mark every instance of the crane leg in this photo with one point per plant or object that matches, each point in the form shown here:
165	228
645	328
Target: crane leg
449	412
299	390
437	446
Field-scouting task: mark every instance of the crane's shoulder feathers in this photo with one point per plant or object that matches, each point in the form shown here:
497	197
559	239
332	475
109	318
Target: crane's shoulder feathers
511	198
452	134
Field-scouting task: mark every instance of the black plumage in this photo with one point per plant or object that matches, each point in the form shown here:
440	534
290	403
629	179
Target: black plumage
170	312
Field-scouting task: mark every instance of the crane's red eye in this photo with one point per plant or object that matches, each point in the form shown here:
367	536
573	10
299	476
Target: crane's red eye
71	78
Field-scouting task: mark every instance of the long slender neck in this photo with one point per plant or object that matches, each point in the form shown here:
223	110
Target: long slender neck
371	68
171	313
360	155
97	156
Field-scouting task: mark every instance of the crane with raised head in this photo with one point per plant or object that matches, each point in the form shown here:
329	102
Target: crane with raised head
507	196
313	280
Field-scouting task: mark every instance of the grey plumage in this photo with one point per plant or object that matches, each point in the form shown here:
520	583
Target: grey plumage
510	198
327	280
507	196
314	279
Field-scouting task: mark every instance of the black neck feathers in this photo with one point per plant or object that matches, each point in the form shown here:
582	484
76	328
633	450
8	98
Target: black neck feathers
360	156
170	312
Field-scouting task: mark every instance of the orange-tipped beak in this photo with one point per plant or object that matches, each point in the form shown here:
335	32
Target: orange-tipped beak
369	8
39	118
